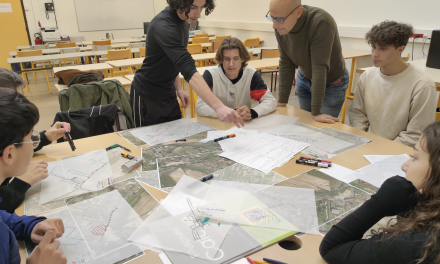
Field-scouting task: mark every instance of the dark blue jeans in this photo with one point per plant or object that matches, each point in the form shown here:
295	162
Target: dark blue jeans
334	94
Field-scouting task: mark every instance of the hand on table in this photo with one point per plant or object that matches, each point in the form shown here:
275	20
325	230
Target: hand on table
57	131
244	113
324	118
37	171
47	251
280	104
228	115
40	230
184	98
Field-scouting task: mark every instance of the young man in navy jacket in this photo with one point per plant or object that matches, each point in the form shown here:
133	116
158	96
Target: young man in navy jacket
17	142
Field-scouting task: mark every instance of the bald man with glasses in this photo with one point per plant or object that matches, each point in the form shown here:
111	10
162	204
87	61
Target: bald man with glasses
308	38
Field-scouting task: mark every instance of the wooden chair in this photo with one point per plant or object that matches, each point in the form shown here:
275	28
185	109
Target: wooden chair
216	45
99	48
137	45
272	53
195	49
65	45
192	102
201	40
142	52
119	55
40	47
201	35
252	43
221	38
101	42
34	64
70	50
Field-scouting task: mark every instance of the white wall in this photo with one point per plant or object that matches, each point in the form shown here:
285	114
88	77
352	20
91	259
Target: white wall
246	18
67	22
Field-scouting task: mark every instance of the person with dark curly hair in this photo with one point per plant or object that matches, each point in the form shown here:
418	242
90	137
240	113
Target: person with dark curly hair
153	91
308	38
236	84
413	201
394	99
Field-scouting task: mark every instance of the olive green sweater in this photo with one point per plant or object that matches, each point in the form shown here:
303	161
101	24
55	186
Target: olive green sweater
314	45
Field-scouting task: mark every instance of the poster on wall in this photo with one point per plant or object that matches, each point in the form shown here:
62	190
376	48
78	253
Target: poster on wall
5	8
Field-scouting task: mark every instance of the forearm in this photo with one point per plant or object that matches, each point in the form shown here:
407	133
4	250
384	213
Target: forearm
287	75
268	104
201	88
318	88
178	84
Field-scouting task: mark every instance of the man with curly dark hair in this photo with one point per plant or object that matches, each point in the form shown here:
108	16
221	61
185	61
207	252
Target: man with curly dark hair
153	91
394	99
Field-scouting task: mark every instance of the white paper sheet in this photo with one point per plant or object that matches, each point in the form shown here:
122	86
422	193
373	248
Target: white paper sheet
239	132
55	185
299	132
166	132
379	172
269	122
338	172
263	151
375	158
105	221
75	249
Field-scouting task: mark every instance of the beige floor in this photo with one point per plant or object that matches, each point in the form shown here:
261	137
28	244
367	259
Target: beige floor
48	103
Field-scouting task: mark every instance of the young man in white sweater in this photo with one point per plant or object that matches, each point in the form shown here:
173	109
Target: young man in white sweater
237	85
394	99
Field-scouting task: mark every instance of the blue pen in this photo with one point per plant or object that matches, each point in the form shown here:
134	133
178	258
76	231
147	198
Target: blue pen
273	261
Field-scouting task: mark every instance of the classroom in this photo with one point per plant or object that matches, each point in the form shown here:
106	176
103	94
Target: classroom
219	131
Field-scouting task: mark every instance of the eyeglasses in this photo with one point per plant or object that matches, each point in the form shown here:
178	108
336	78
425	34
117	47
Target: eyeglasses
35	137
279	19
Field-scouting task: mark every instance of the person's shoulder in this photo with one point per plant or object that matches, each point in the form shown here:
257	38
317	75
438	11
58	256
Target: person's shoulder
250	69
421	77
320	16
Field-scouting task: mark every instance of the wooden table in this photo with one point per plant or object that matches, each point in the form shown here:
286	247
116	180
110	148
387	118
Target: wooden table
104	67
125	82
114	41
308	253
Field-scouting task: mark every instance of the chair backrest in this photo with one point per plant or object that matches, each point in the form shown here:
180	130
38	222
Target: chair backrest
252	43
77	39
200	40
201	35
137	45
407	57
216	45
194	48
65	45
142	52
69	50
39	47
119	54
29	53
100	47
102	42
221	38
272	53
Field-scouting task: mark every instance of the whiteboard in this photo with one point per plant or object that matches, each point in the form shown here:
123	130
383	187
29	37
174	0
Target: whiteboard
95	15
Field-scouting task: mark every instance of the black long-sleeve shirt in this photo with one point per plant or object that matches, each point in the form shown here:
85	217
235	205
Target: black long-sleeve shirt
344	243
166	55
13	193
